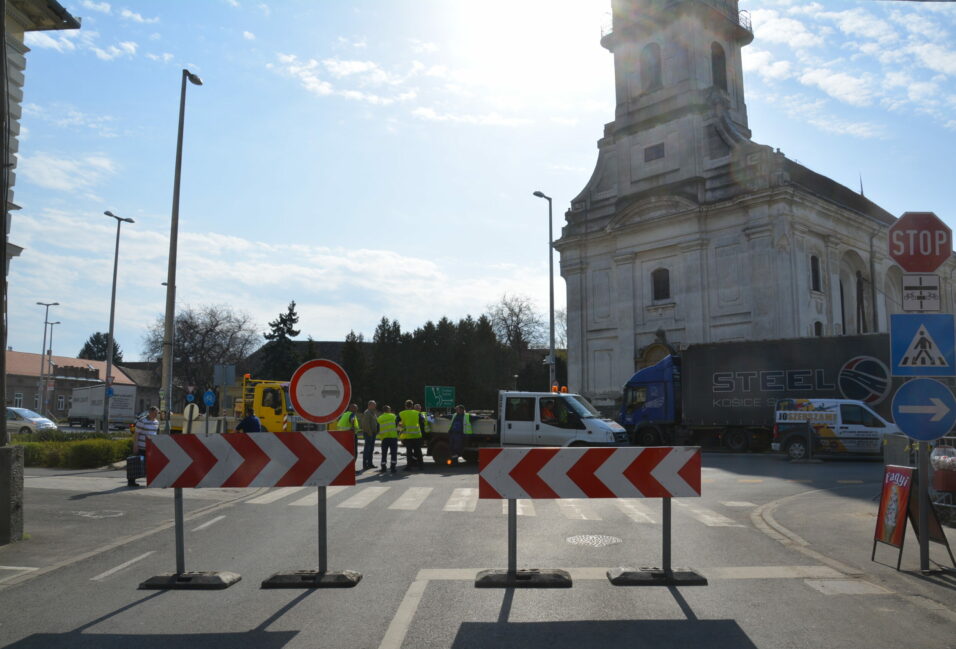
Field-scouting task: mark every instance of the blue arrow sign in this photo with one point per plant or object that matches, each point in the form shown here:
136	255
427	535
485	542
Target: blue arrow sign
924	409
922	344
209	398
190	398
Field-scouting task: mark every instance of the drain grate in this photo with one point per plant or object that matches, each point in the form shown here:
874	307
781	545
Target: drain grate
594	540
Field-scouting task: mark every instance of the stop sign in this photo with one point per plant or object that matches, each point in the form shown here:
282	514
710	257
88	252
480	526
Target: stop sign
920	242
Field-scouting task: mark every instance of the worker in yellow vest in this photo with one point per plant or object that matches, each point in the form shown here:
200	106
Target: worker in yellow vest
411	436
459	426
349	421
388	433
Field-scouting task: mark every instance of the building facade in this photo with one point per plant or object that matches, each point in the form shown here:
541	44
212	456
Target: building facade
688	231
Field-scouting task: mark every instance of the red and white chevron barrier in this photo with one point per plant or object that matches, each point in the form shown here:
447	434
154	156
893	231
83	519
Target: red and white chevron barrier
605	472
317	458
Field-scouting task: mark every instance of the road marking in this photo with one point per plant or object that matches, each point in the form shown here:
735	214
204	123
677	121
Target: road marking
111	571
706	516
363	497
412	498
574	508
774	572
633	510
525	507
208	523
398	628
17	568
274	494
312	499
846	587
462	500
738	503
750	480
849	482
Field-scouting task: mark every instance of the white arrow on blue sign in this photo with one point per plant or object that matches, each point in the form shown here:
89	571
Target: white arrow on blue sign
209	398
924	409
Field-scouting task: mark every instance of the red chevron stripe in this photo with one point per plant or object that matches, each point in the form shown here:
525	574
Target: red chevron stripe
690	472
639	472
202	460
310	459
254	459
582	473
486	456
485	490
156	461
525	473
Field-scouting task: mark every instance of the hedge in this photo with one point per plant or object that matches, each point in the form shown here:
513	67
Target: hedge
75	454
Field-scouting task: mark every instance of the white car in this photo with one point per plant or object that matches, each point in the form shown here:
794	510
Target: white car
21	420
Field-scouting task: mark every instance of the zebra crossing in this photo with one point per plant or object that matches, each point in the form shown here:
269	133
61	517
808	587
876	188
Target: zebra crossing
465	500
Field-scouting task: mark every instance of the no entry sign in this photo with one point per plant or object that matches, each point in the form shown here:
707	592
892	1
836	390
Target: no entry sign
920	242
320	390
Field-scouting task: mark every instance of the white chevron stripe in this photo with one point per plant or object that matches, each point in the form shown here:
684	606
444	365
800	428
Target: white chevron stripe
555	472
179	461
337	458
611	473
666	471
496	473
228	460
281	459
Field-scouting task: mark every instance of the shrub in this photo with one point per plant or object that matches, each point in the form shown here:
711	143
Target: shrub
76	454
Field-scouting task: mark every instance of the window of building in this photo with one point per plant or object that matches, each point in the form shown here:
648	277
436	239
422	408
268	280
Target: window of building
655	152
718	66
18	400
815	284
660	279
817	328
651	67
60	402
36	401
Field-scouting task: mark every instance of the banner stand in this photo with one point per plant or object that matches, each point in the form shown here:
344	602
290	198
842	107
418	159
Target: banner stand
182	580
320	578
514	578
665	576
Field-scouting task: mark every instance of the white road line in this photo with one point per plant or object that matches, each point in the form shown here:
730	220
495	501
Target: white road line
706	516
18	568
525	507
208	523
395	634
576	509
462	500
363	498
274	494
412	498
738	503
312	500
634	510
104	575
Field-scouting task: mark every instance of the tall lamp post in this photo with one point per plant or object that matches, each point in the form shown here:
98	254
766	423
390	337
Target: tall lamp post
108	381
167	378
46	321
45	406
551	359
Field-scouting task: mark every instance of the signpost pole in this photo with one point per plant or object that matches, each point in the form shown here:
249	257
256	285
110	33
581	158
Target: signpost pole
512	538
924	506
323	540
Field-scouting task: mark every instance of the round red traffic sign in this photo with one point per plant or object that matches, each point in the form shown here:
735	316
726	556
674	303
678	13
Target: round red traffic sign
320	390
920	242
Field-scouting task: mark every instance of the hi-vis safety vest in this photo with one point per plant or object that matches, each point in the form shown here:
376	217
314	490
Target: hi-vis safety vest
466	424
410	424
427	422
348	421
387	425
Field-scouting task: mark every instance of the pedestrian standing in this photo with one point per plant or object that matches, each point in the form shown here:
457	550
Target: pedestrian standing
388	433
146	427
411	436
369	423
349	420
459	427
250	423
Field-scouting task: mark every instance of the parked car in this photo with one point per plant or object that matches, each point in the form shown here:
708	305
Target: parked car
21	420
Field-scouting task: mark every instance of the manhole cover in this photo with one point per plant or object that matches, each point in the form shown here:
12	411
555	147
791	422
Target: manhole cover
593	540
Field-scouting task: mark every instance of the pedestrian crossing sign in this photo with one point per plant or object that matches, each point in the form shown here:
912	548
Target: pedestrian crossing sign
922	344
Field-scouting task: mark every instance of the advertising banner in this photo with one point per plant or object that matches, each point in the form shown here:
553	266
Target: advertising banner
894	503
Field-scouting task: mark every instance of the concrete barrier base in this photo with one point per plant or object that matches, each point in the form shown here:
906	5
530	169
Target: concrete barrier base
523	579
655	577
191	581
313	579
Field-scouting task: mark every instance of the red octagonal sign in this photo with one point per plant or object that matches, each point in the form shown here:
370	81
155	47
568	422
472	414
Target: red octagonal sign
920	242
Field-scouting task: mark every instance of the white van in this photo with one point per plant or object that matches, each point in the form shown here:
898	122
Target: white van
554	419
834	426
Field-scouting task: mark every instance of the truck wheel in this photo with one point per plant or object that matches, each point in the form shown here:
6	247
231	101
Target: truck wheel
647	436
470	456
439	452
796	448
737	439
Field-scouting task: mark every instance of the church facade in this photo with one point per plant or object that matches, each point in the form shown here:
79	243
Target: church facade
688	231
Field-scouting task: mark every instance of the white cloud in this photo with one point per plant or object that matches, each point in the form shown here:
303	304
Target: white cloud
232	3
135	17
265	9
127	48
769	26
102	7
859	22
935	57
488	119
63	42
63	174
69	117
165	57
762	63
249	36
840	85
361	72
420	47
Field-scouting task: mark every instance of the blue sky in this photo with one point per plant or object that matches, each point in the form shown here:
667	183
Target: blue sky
378	157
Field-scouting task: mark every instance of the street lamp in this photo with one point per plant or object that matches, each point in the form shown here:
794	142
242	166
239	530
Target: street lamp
46	321
108	382
167	379
49	357
551	359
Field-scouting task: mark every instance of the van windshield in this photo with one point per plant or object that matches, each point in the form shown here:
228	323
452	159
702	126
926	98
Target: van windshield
581	407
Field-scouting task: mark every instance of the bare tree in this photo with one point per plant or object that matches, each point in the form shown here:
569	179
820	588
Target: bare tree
516	323
561	328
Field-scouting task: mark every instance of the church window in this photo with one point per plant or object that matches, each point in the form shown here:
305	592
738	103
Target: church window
815	284
651	67
660	279
817	328
655	152
718	66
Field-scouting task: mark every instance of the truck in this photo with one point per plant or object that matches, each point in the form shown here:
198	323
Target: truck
530	419
86	405
725	393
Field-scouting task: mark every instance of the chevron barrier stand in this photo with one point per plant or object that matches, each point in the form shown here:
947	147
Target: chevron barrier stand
604	472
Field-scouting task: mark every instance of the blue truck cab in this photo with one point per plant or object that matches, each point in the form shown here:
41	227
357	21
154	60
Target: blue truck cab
650	408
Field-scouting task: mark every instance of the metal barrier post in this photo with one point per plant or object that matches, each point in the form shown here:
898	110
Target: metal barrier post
512	538
323	538
666	522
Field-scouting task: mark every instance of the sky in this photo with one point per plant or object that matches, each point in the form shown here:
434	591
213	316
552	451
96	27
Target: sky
377	158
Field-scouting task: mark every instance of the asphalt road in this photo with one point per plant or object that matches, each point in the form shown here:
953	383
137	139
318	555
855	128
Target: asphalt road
785	548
